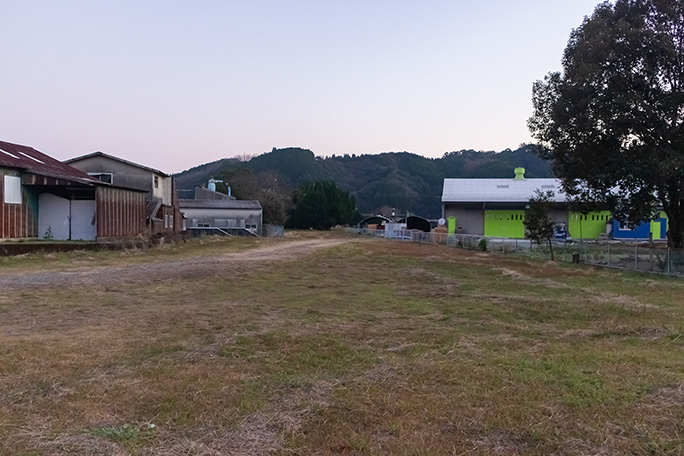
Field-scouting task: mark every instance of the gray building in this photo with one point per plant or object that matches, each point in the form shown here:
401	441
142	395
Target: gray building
218	212
496	207
162	210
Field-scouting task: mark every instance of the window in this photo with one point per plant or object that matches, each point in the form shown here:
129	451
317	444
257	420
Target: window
12	190
156	181
104	177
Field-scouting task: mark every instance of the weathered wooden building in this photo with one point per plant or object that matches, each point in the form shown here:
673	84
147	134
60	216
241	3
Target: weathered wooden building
41	197
162	210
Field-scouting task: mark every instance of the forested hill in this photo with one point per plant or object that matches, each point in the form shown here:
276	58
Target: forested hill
401	180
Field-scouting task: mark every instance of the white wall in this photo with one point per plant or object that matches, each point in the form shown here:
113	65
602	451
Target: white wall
83	224
163	189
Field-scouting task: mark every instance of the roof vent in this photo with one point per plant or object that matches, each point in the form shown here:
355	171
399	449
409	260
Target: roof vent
519	174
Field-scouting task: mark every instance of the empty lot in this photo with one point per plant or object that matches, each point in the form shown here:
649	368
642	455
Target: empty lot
330	344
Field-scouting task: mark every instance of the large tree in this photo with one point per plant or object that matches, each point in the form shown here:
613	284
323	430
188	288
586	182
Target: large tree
612	121
245	185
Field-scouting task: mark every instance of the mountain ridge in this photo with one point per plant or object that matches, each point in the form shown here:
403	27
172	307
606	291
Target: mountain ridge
401	180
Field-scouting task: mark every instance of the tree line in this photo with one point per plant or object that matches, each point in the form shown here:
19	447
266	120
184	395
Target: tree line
400	180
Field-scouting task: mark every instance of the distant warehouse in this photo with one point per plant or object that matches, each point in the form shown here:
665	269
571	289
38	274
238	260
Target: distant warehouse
217	213
496	208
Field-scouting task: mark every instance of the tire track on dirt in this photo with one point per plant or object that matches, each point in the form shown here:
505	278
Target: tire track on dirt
166	269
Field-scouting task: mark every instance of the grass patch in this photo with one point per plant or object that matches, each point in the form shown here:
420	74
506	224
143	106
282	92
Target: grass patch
357	347
127	434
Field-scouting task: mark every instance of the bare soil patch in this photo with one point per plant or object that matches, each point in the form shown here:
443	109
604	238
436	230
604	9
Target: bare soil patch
166	269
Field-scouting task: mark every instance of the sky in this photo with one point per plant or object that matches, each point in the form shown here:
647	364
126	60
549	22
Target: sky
174	84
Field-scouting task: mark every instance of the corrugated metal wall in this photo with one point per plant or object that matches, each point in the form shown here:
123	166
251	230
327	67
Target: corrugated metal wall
18	220
119	212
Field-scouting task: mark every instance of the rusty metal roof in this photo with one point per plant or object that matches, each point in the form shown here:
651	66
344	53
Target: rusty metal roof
29	159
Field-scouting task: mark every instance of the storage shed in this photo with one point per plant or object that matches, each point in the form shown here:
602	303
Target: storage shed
40	197
162	211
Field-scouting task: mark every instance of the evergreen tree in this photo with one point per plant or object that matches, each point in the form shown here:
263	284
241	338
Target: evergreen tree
321	205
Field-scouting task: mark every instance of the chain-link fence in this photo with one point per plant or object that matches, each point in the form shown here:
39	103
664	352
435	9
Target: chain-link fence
273	231
654	259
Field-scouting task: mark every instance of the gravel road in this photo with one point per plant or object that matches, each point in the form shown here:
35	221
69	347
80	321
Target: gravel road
167	269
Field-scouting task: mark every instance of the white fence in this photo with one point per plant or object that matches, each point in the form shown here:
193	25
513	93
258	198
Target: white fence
642	258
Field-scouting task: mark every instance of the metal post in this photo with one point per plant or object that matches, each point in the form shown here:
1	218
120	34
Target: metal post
608	255
668	261
636	257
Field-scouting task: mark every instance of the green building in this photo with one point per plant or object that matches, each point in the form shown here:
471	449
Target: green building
496	208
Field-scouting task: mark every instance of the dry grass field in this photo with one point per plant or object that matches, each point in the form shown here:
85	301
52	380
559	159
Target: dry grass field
331	344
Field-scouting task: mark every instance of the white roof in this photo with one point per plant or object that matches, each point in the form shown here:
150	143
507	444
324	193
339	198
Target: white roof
498	190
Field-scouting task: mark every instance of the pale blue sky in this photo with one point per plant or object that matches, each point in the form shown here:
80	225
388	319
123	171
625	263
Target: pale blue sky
174	84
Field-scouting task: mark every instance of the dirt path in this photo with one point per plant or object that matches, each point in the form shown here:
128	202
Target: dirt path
167	269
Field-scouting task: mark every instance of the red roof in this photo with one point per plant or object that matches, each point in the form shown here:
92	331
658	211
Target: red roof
29	159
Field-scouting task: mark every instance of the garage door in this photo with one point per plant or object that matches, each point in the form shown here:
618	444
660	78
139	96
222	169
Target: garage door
507	224
62	219
83	225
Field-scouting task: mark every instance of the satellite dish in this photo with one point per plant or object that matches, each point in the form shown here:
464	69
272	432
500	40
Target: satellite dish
441	222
